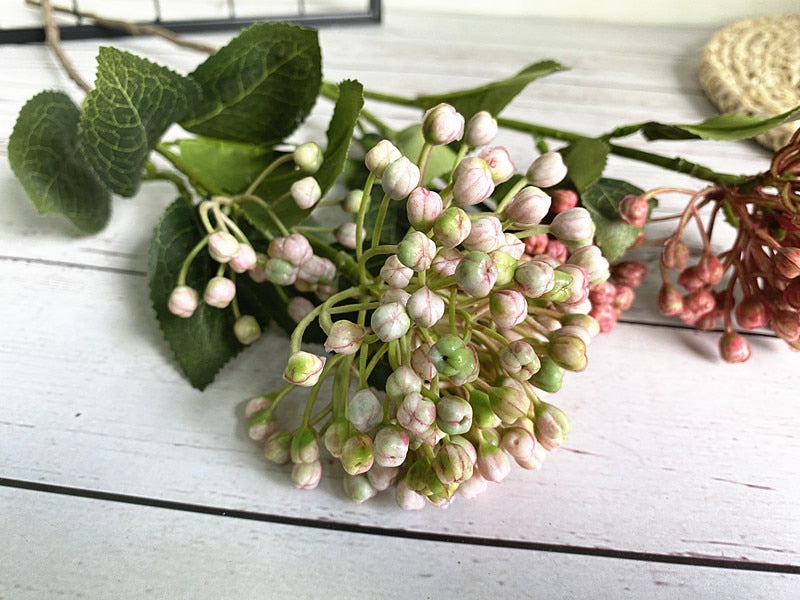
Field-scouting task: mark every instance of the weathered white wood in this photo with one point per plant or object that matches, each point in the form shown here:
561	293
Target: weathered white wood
58	546
672	451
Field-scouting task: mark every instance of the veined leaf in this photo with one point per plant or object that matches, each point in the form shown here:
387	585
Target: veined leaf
223	166
613	235
132	105
203	343
44	156
260	86
492	97
586	161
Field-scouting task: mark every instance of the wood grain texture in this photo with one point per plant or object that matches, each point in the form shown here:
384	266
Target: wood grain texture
673	453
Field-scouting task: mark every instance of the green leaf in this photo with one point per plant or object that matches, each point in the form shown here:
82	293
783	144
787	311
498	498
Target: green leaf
441	161
274	190
132	105
723	127
601	199
260	86
44	156
492	97
586	161
203	343
223	166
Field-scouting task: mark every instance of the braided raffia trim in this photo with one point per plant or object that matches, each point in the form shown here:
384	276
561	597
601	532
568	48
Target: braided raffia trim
753	67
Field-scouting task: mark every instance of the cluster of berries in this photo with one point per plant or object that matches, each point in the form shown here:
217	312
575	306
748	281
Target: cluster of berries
473	325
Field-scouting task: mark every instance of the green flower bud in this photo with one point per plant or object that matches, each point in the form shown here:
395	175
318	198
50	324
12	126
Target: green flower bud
450	355
505	265
454	415
562	287
567	347
246	329
476	274
308	157
364	410
519	360
305	445
452	227
357	454
335	436
304	368
534	278
306	475
416	251
452	464
276	447
261	424
482	414
508	401
549	376
358	488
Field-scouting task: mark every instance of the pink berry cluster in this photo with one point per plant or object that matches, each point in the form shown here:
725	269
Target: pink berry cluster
289	259
753	284
471	331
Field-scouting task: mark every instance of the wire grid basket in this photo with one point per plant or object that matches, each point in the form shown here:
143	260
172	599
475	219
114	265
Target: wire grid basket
185	16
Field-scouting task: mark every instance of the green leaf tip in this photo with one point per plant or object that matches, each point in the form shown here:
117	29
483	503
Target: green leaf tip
44	155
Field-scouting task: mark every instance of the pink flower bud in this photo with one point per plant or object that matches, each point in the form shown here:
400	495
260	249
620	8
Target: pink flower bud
257	273
563	200
364	410
675	254
476	274
699	302
400	178
408	499
536	244
246	329
298	307
425	307
442	124
670	300
787	262
474	486
579	283
305	447
416	251
445	262
345	337
634	210
244	259
454	415
317	269
786	325
401	382
395	295
710	269
380	156
602	293
261	424
222	246
423	207
346	235
219	292
591	258
306	475
493	463
791	295
308	157
508	308
499	162
624	297
395	273
557	250
519	360
518	442
276	447
357	454
390	321
552	426
382	478
485	235
303	368
512	245
574	227
534	278
183	301
416	413
305	192
472	182
293	248
527	208
280	271
421	362
481	129
547	170
452	227
734	348
752	312
629	272
391	446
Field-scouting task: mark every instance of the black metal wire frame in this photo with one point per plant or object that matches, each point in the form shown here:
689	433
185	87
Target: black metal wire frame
83	31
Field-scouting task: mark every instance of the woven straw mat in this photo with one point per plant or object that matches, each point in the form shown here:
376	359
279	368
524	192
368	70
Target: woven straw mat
753	67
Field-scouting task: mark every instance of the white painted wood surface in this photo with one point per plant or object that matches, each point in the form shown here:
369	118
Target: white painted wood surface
676	460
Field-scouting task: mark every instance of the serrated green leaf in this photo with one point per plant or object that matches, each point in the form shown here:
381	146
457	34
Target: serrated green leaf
492	97
203	343
441	160
586	161
260	86
274	189
223	166
43	154
132	105
601	199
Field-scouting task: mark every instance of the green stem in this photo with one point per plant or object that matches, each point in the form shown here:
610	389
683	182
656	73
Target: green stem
379	219
189	258
267	209
266	172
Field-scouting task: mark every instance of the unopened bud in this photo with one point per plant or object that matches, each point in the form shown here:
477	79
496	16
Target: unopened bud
547	170
670	300
352	202
345	337
483	416
346	235
534	278
574	227
380	156
335	436
390	446
454	415
280	271
246	329
493	463
486	234
472	182
219	292
400	178
276	447
303	368
552	426
508	308
787	262
408	499
421	362
752	312
562	200
634	210
416	251
423	207
451	356
308	157
381	478
390	321
591	258
395	273
416	413
244	259
452	464
499	163
452	227
357	454
519	360
442	125
528	207
508	401
222	246
519	443
298	308
710	268
675	254
305	192
476	274
629	272
306	475
294	248
425	307
305	446
481	129
183	301
364	410
567	347
358	488
734	348
445	262
549	377
401	382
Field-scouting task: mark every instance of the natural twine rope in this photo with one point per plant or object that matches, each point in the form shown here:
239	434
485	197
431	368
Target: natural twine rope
753	67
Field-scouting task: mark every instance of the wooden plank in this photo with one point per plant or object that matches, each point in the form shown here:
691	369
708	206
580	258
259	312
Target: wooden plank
86	548
672	451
